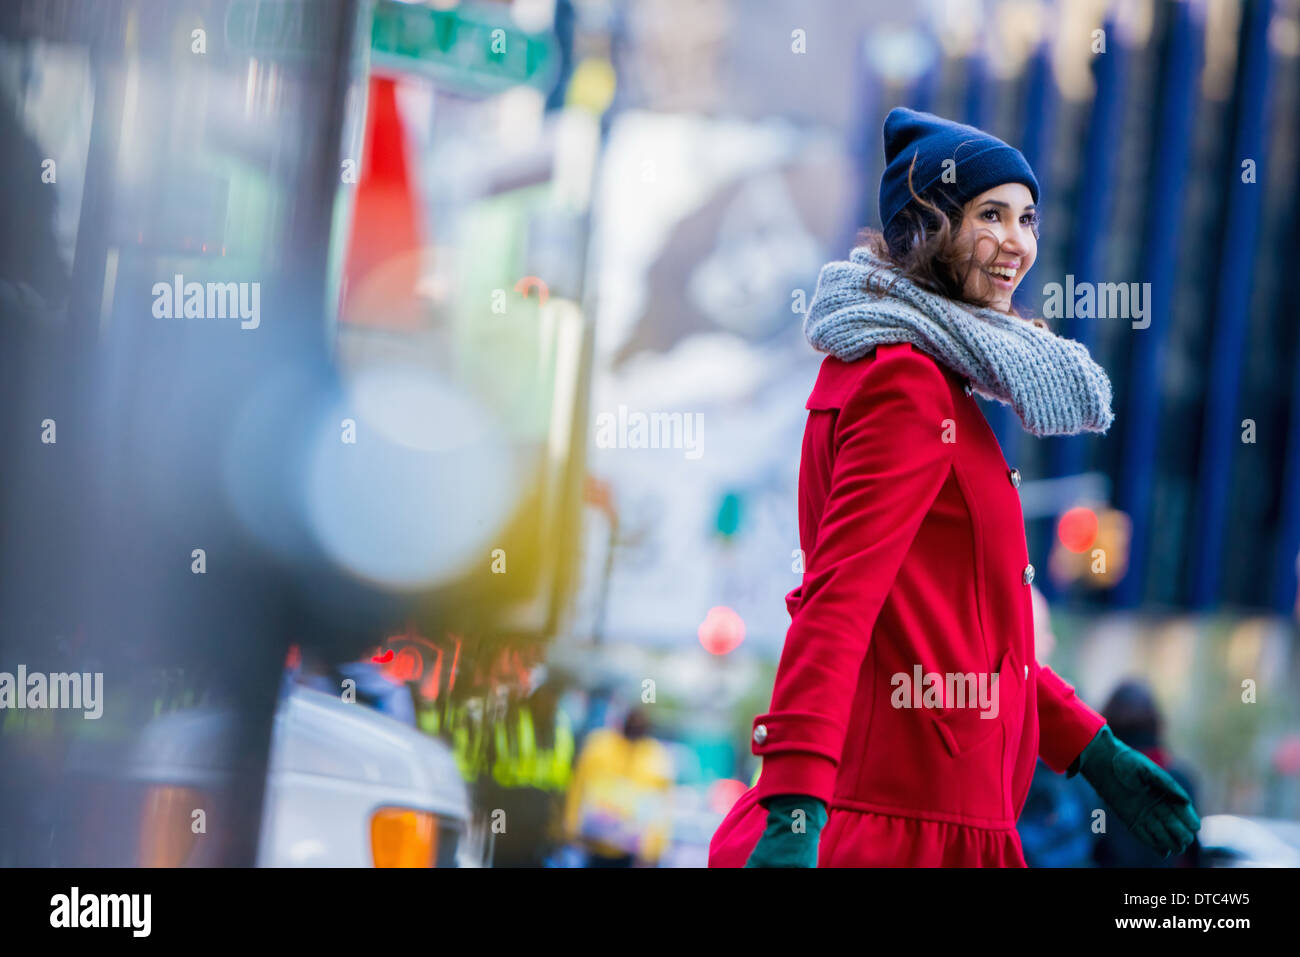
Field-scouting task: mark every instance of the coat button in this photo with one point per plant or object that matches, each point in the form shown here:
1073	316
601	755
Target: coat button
969	390
1029	574
1015	477
1026	672
760	734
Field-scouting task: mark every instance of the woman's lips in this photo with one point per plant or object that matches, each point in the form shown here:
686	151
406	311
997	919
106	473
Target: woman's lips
1001	283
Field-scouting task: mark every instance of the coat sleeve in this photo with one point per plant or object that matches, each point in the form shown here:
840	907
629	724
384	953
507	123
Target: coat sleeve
1065	724
891	460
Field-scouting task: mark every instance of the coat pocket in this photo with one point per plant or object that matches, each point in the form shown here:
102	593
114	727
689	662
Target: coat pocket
967	728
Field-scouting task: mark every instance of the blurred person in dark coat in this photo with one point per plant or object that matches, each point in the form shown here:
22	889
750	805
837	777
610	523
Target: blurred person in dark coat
1135	719
1055	825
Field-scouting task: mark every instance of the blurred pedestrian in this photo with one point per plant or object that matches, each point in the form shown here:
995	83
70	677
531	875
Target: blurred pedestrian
915	546
531	758
1055	826
616	808
1135	718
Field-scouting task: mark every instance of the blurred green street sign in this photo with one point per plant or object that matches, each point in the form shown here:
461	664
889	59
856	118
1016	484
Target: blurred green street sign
470	49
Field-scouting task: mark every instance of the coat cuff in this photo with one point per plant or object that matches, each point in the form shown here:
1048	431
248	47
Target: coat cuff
791	773
1066	724
800	752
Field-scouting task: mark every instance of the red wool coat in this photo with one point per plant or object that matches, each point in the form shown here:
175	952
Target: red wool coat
915	563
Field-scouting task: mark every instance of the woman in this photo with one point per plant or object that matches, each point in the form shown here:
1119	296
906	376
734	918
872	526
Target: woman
908	709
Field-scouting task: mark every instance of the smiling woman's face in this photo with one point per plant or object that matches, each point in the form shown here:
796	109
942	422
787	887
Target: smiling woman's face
999	226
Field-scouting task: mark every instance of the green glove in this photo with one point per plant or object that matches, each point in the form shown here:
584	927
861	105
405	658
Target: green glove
1146	799
791	838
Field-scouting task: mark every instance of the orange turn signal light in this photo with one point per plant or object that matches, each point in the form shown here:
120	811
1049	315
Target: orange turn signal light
401	837
166	830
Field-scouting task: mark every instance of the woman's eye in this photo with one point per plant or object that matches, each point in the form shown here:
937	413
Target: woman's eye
990	212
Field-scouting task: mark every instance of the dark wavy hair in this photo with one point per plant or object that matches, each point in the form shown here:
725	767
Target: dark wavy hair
922	244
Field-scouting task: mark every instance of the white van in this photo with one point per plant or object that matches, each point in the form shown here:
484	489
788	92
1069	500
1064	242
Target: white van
346	787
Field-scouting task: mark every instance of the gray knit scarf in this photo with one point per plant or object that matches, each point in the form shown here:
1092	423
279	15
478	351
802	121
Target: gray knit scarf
1051	382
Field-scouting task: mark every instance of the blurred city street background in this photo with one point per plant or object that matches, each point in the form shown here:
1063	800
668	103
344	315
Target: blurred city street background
466	542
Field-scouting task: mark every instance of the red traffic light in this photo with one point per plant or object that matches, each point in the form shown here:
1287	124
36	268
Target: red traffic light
721	631
1077	529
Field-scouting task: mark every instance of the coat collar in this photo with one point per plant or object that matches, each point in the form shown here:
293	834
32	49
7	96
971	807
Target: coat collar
837	380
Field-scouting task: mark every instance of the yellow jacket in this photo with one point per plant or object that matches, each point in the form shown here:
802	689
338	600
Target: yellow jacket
625	780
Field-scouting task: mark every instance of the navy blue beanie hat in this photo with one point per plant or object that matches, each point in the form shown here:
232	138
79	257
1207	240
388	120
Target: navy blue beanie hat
980	162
